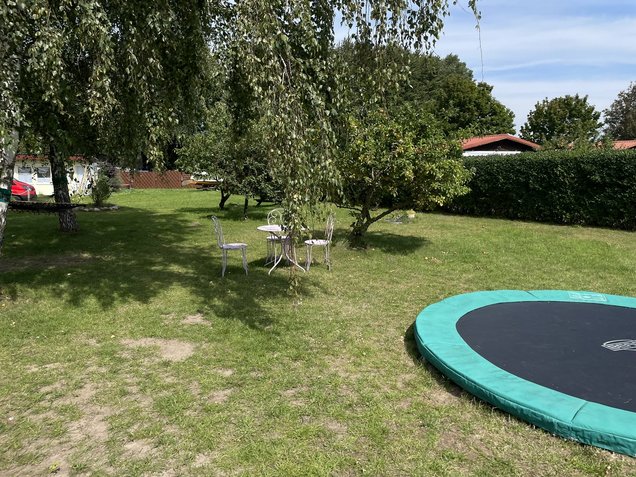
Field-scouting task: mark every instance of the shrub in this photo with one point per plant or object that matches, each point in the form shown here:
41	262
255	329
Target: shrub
100	192
566	187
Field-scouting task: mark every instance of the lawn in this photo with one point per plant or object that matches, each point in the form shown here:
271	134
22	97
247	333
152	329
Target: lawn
123	352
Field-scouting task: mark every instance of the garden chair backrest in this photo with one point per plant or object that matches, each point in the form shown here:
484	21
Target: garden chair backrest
218	231
329	228
275	217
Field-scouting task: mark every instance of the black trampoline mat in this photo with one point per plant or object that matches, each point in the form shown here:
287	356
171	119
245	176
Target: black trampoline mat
559	345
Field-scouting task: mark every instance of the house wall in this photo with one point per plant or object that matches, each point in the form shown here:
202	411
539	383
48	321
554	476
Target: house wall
37	172
498	148
490	153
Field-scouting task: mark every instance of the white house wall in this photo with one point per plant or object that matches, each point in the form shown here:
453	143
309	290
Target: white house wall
37	172
489	153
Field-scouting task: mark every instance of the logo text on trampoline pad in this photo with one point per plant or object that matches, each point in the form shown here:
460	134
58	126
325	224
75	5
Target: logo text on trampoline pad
620	345
587	296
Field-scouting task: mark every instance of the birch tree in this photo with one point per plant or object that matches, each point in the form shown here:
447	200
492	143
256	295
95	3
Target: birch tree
118	76
286	50
90	76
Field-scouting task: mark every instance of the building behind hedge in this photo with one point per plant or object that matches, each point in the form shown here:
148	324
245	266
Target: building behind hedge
497	145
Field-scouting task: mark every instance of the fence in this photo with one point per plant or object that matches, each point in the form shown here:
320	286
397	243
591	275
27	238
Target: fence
154	180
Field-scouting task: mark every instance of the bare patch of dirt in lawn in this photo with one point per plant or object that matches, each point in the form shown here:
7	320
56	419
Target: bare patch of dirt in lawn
452	441
137	396
201	460
197	319
292	396
342	367
139	449
339	429
443	397
219	397
90	342
51	388
405	404
45	262
86	436
225	372
34	368
169	350
404	380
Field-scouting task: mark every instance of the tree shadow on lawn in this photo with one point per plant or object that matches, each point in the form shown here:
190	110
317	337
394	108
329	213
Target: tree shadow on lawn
133	256
231	212
395	244
410	346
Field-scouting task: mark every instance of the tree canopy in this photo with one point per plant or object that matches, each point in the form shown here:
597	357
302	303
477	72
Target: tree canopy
286	49
566	121
88	77
443	88
620	117
446	88
398	162
239	160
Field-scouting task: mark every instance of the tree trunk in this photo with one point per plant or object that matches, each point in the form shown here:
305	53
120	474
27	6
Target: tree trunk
360	227
8	148
245	204
224	197
67	219
363	221
356	237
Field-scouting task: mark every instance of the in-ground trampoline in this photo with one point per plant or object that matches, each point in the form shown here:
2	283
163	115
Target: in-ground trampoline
564	361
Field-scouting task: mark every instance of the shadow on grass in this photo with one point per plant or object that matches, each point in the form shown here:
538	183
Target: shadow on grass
133	255
231	212
450	387
395	244
410	345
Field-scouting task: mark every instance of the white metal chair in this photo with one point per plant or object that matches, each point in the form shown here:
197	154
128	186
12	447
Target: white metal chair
274	217
218	231
326	243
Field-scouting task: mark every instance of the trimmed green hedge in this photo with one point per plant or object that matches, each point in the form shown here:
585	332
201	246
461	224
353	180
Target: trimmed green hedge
565	187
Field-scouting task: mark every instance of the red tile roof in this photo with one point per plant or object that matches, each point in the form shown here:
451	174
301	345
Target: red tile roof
484	140
629	144
43	157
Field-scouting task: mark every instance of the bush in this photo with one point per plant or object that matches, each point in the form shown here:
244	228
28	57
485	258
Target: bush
565	187
100	192
107	181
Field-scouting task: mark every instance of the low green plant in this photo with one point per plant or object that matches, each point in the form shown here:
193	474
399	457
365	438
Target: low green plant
101	190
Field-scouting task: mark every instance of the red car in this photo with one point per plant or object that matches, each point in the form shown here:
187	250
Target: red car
22	191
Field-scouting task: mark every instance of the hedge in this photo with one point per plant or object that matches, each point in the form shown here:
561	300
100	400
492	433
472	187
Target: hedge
565	187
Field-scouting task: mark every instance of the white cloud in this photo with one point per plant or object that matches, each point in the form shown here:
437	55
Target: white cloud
534	52
545	48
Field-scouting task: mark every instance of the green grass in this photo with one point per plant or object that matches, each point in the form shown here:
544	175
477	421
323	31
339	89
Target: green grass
102	376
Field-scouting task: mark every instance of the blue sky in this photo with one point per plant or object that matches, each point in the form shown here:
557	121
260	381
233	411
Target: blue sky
540	48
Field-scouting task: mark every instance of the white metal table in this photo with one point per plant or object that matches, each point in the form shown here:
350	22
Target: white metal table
287	245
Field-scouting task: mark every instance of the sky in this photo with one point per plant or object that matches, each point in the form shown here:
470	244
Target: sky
537	49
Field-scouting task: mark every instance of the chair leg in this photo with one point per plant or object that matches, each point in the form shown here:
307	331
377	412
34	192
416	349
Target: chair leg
275	244
244	253
269	251
308	263
287	250
224	261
